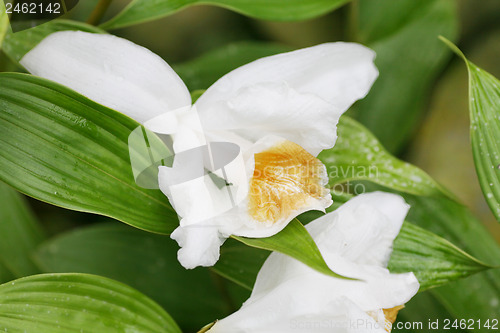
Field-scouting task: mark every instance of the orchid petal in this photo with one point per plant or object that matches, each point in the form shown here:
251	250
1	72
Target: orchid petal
283	311
199	244
275	108
363	229
337	73
109	70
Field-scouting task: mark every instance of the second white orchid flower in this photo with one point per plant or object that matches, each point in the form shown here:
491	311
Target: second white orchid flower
355	240
281	111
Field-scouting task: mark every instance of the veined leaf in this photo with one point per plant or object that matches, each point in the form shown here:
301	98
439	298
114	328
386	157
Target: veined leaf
16	45
139	11
60	147
66	303
358	155
295	241
404	34
484	104
19	231
433	260
201	72
142	260
474	297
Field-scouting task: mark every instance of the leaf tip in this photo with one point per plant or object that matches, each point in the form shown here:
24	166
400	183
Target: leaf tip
453	47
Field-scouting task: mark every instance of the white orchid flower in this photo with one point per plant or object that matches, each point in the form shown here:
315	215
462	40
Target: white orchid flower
356	241
281	111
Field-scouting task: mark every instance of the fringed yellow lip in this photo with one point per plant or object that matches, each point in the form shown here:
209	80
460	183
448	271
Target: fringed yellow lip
285	179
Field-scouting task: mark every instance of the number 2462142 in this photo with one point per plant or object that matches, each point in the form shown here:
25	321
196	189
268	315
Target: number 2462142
33	8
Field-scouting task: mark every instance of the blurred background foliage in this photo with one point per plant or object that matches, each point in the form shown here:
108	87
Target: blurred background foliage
418	109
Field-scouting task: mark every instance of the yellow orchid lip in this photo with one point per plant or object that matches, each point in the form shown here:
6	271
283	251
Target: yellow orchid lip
286	178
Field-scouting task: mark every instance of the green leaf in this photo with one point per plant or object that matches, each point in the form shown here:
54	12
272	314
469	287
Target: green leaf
139	11
20	233
202	72
65	303
484	104
16	45
474	297
433	260
485	135
145	261
358	155
404	34
60	147
295	241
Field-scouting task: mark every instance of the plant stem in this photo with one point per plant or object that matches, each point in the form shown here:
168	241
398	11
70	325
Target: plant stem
98	12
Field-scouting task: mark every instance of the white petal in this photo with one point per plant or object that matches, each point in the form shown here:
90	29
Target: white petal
199	245
337	73
283	310
275	108
376	289
363	229
109	70
355	241
199	198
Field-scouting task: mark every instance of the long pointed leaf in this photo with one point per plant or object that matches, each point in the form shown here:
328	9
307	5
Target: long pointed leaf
475	296
295	241
484	104
358	155
283	10
60	147
434	260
